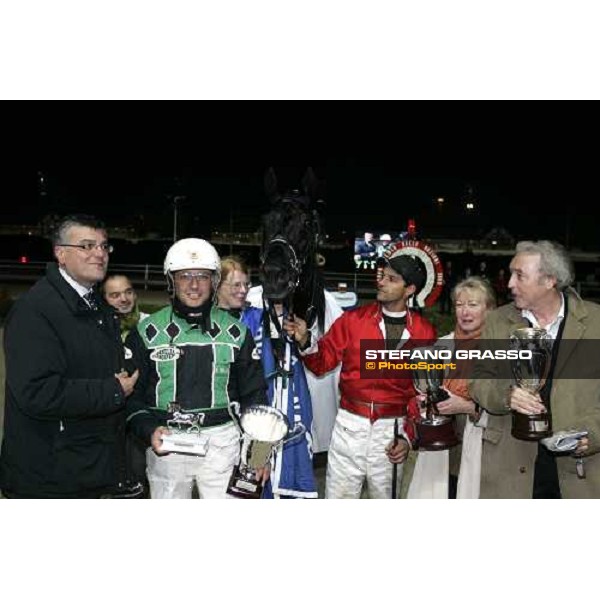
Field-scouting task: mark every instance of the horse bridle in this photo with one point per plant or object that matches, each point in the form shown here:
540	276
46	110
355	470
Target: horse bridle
294	264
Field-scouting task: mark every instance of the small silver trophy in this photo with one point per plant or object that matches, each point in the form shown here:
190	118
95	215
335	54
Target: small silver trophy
184	432
530	374
263	429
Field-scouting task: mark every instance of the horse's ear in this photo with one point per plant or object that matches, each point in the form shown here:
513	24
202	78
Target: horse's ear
271	185
310	183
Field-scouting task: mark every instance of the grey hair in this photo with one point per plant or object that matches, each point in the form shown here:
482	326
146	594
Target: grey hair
476	284
59	235
554	260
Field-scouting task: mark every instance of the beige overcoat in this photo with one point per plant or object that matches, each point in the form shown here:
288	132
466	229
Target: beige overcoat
507	463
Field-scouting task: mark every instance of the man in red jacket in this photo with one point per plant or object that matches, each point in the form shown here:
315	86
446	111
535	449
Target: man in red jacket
363	444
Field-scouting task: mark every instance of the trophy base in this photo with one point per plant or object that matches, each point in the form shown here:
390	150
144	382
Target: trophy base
243	485
437	434
531	428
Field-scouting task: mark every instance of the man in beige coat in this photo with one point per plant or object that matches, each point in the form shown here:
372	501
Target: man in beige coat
541	273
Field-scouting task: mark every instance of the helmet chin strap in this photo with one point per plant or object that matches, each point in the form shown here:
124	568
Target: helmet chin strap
216	280
198	315
170	285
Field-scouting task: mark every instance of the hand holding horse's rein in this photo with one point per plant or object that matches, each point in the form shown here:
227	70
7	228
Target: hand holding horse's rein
296	328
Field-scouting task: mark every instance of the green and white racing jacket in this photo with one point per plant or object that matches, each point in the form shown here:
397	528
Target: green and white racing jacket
201	371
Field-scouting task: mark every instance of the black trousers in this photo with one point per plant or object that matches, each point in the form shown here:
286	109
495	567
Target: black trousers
545	478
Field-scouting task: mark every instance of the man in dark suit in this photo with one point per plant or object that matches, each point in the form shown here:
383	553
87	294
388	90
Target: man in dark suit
65	386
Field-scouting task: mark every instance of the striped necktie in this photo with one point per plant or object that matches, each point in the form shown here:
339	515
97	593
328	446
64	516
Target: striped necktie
89	298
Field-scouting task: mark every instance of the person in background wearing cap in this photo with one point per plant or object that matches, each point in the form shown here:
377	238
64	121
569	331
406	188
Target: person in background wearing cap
201	358
364	447
385	239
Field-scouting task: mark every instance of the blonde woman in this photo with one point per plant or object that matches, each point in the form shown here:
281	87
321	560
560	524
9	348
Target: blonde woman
472	298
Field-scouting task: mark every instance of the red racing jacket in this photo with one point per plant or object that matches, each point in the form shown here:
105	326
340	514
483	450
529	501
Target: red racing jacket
342	344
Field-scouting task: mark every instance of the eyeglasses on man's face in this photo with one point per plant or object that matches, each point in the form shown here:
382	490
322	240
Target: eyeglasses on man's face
185	277
89	247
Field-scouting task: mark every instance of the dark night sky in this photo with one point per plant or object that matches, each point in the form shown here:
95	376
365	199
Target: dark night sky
359	194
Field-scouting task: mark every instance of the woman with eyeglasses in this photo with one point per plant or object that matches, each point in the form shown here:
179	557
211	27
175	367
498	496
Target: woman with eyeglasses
292	472
234	287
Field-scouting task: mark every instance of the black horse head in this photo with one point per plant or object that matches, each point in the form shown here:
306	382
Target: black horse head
290	261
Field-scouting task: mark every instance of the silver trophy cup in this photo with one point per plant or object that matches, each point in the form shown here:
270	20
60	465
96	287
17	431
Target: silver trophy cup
263	429
184	432
530	374
434	431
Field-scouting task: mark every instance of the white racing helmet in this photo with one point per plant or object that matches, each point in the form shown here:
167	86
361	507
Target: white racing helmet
192	253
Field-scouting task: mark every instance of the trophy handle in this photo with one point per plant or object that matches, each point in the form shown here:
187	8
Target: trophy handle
299	429
235	412
431	410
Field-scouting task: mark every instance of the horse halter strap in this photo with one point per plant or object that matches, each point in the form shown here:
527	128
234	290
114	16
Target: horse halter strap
294	262
282	240
279	344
